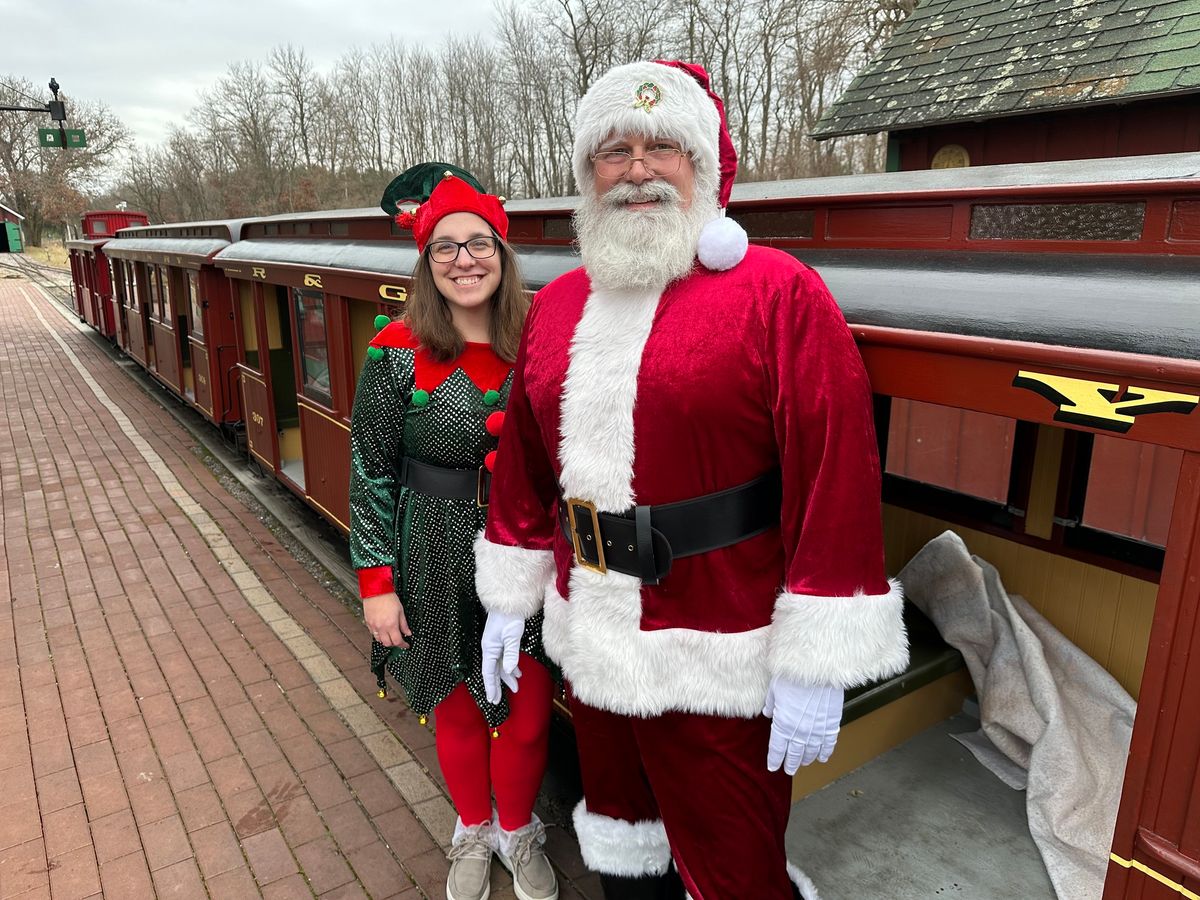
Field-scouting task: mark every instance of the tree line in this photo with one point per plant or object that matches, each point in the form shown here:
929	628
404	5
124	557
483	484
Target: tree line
276	134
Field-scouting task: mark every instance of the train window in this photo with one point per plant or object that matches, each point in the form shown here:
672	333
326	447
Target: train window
164	275
340	229
1142	513
314	344
135	302
155	295
99	226
303	228
956	449
193	290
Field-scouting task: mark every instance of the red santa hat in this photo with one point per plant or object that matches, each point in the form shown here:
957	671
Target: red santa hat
673	100
452	195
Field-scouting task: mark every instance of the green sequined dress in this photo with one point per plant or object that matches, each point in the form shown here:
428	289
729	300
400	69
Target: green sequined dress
406	404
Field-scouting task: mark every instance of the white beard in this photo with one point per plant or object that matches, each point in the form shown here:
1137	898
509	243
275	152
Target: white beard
627	249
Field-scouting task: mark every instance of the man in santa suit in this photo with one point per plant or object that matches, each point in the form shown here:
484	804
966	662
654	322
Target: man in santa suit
688	486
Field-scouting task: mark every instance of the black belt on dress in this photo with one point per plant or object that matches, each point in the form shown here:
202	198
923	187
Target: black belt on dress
644	541
452	484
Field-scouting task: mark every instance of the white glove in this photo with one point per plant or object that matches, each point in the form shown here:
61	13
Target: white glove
805	719
501	650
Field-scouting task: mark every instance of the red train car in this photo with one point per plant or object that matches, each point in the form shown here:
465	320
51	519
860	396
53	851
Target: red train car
175	313
1032	335
91	271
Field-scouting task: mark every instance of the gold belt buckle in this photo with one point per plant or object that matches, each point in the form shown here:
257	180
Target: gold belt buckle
480	483
580	559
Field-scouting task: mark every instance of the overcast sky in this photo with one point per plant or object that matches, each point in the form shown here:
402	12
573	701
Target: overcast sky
148	59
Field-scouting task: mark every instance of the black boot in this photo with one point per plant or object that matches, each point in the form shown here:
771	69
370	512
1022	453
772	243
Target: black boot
645	887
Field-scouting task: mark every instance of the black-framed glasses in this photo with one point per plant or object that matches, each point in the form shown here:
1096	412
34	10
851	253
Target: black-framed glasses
477	248
659	161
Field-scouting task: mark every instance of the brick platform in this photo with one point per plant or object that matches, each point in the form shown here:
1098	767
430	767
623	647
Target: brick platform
184	710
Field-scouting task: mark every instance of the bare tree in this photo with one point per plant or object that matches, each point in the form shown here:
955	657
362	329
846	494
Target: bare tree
48	185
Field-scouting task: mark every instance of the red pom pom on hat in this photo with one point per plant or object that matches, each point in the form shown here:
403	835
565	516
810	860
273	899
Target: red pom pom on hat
454	195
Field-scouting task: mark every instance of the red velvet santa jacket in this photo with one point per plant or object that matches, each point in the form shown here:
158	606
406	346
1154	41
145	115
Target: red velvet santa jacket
644	398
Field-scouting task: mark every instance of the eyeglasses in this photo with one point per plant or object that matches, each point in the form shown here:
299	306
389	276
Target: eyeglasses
659	161
477	248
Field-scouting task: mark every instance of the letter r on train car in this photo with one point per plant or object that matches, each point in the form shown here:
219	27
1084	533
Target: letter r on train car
1095	404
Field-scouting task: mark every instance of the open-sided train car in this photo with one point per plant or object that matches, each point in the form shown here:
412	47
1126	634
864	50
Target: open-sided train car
1031	333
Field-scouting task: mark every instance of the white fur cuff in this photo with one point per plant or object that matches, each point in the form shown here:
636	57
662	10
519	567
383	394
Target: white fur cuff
723	244
844	641
511	579
616	847
808	890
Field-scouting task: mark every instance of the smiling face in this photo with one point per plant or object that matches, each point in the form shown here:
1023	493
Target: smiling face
467	283
682	179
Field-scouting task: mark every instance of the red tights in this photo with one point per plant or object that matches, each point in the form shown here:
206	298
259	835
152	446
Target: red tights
475	764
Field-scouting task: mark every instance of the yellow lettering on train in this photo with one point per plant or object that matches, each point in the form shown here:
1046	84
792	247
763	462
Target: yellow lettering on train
393	292
257	272
1095	403
312	281
203	379
258	419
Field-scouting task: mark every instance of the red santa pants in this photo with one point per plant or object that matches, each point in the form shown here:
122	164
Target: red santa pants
704	780
475	764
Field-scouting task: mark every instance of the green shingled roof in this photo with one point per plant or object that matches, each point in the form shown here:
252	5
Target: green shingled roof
958	60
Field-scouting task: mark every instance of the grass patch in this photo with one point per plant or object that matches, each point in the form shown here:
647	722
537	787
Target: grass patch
52	253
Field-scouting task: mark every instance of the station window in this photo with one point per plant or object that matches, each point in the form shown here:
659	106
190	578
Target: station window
314	344
193	290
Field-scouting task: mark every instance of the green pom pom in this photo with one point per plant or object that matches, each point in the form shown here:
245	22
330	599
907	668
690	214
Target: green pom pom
491	398
382	322
420	398
376	353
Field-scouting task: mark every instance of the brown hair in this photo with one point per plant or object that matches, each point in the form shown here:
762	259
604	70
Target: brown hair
428	314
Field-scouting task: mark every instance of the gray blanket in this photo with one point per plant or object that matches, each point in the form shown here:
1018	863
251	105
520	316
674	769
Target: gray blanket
1054	722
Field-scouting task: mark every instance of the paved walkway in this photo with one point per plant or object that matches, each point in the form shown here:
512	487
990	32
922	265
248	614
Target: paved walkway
184	710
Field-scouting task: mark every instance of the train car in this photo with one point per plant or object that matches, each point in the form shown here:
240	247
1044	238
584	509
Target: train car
91	272
1032	335
175	313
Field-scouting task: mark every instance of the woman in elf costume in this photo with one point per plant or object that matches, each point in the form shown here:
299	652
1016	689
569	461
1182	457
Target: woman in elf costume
427	416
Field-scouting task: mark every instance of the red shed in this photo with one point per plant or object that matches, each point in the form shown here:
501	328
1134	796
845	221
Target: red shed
964	82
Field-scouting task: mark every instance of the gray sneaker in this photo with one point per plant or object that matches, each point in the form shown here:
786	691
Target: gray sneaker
470	863
521	852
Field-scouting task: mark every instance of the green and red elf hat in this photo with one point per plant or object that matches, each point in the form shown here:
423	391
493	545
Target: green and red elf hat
439	190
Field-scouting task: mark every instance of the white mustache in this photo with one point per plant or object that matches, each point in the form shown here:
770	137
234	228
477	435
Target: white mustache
648	192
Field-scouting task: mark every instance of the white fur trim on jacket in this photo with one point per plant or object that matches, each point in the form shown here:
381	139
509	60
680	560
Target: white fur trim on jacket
596	449
616	847
683	112
723	244
511	579
844	641
808	890
613	664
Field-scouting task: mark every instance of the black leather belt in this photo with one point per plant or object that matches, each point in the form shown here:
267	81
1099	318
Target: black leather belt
453	484
644	541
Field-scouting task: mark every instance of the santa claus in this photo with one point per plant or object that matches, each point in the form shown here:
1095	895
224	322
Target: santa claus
688	487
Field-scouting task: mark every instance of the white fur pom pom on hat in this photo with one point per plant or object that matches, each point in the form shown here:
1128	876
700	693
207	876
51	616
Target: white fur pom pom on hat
723	244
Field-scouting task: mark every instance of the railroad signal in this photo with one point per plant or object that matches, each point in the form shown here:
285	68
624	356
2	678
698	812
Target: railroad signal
61	136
